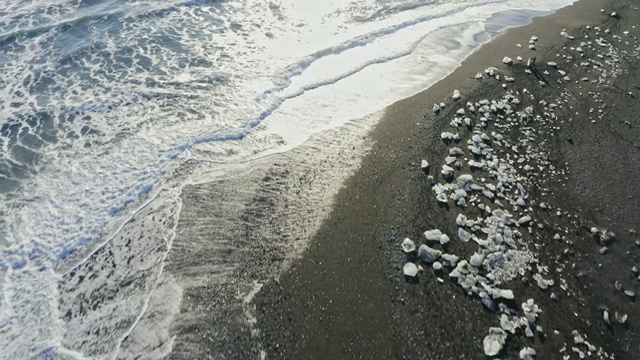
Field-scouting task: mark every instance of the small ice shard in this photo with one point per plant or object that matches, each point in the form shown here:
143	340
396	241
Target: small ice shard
410	269
460	111
527	353
464	235
532	47
552	64
479	76
427	254
424	165
437	266
461	220
436	108
444	239
408	246
494	342
507	60
533	38
614	14
432	181
456	94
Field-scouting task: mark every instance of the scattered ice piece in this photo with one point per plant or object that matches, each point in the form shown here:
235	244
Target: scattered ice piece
424	165
621	318
552	64
476	259
479	76
437	266
605	317
461	220
565	35
494	342
534	38
524	220
614	14
506	294
436	108
527	353
464	235
507	60
408	246
410	269
433	235
532	47
428	254
456	94
449	260
630	294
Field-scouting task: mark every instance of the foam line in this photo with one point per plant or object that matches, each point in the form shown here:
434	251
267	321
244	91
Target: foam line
115	233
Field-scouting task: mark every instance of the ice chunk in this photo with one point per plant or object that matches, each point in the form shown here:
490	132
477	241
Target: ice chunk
410	269
507	60
433	235
527	353
461	220
408	246
428	254
456	94
494	342
464	235
449	260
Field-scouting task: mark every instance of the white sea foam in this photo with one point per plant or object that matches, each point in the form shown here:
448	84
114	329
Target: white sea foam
103	104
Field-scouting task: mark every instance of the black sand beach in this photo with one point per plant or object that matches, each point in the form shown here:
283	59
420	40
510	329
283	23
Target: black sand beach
347	297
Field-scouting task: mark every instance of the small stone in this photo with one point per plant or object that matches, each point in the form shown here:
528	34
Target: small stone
410	269
408	246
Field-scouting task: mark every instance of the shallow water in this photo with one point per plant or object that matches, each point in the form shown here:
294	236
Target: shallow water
108	108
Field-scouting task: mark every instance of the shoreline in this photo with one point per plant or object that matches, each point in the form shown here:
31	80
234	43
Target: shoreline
346	297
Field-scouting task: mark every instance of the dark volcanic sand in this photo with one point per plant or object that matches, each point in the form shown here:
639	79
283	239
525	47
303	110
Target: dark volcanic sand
347	298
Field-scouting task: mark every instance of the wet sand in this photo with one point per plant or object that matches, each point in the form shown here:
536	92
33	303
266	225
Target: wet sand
347	298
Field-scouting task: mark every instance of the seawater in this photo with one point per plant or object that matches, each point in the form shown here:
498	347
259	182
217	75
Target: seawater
107	108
